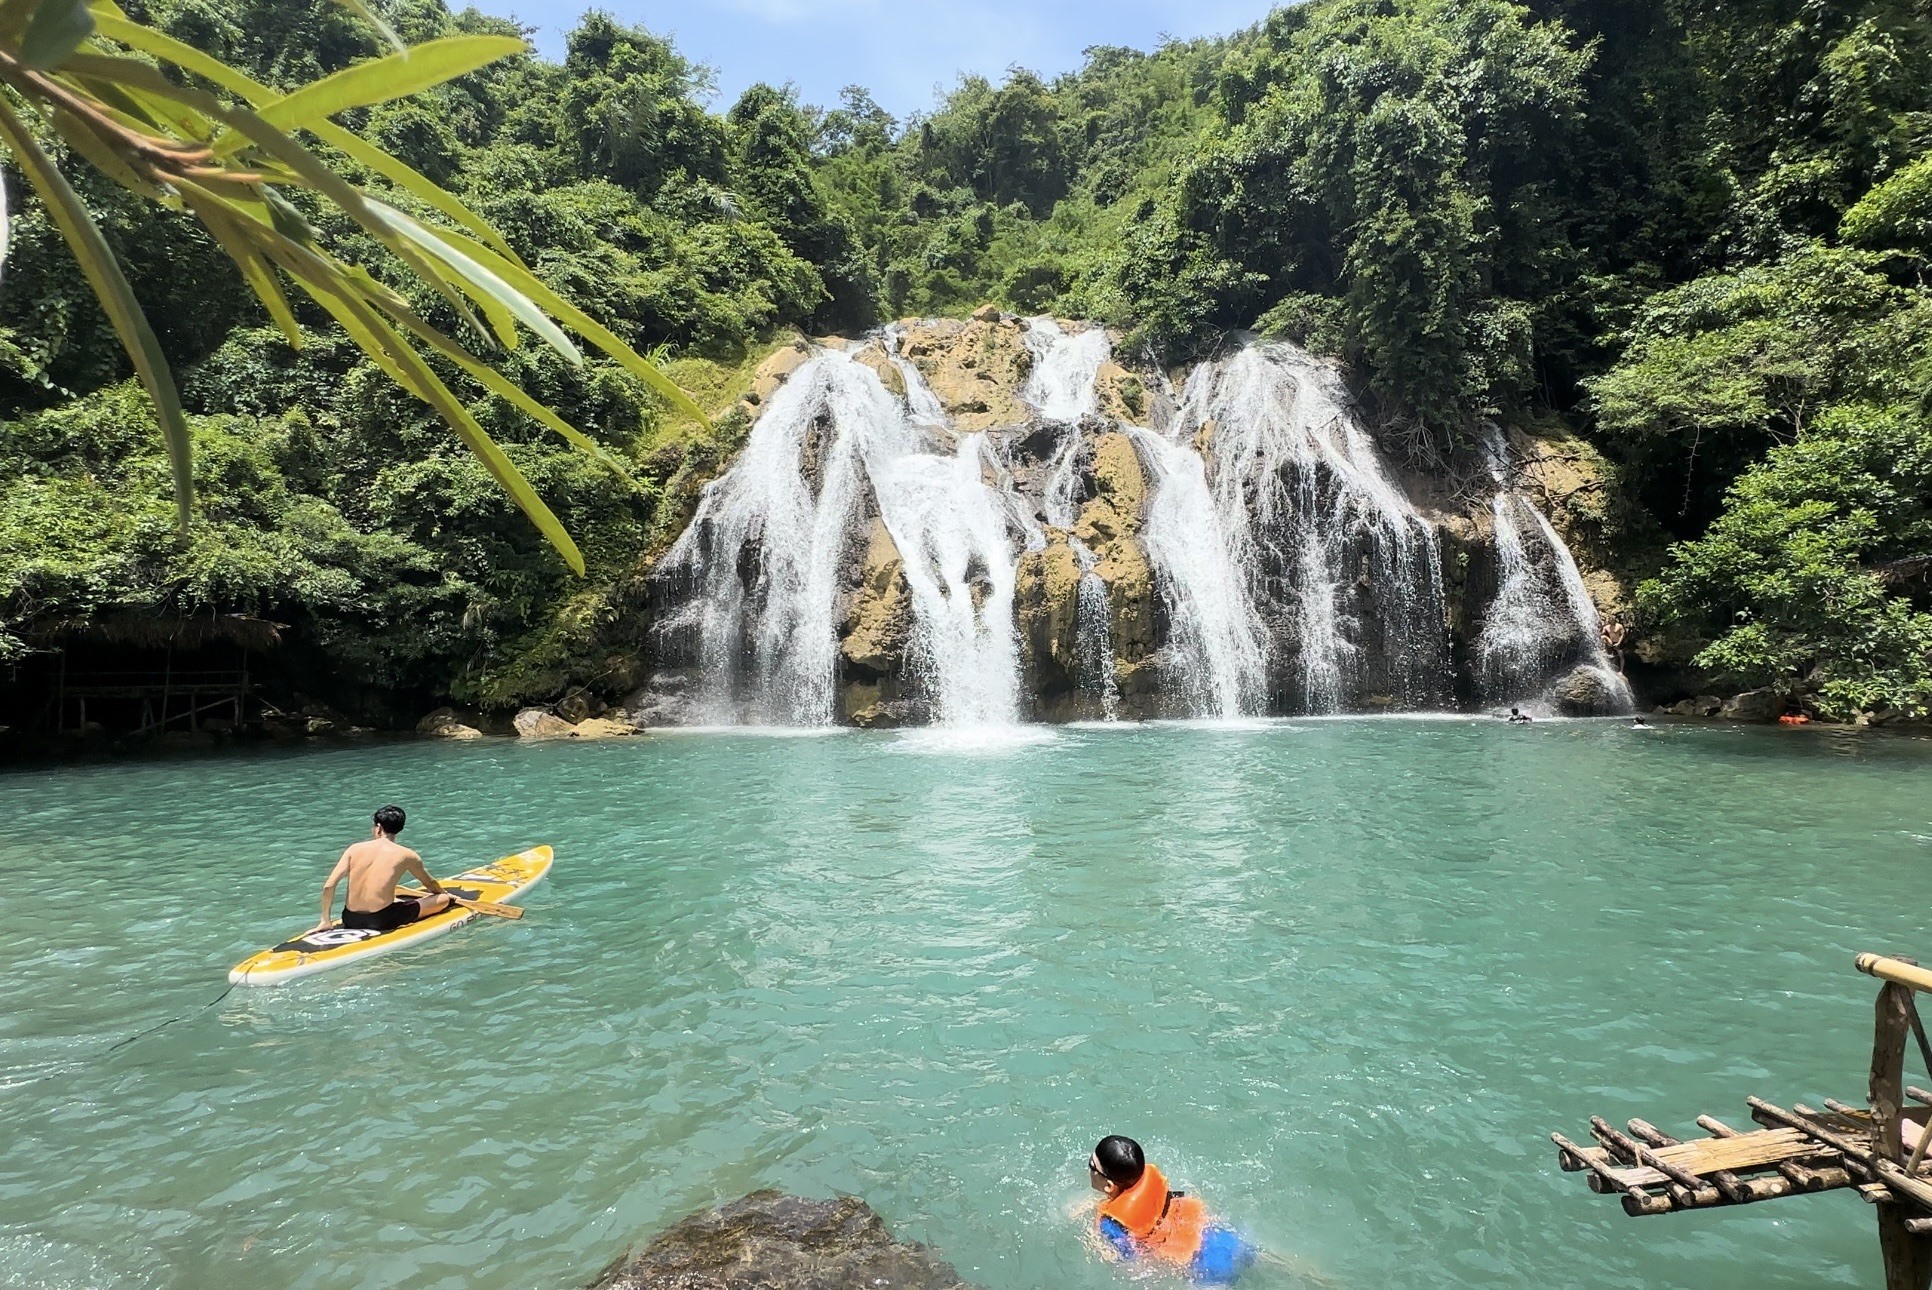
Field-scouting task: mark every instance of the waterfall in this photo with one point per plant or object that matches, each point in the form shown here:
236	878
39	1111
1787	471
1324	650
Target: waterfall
764	551
1061	384
1291	573
952	532
1542	621
1331	557
763	557
1217	651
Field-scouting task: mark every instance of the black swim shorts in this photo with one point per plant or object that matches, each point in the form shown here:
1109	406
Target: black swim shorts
397	913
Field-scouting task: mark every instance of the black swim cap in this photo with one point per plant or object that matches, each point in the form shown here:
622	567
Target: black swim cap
390	820
1121	1161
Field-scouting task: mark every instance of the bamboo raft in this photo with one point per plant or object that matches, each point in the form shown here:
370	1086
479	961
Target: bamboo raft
1879	1150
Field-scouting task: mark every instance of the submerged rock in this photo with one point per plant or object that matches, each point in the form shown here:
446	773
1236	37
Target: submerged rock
541	723
603	728
445	723
1587	691
771	1241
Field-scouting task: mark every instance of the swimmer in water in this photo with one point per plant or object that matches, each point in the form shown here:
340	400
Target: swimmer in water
1141	1219
1517	717
1638	723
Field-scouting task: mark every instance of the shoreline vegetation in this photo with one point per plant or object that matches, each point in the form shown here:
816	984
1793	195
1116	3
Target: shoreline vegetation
1690	238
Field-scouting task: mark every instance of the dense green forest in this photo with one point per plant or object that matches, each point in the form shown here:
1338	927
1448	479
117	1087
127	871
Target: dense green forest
1696	230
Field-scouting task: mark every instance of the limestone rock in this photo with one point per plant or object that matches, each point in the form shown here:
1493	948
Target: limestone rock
987	313
1766	704
976	369
541	723
1586	691
444	723
771	1241
776	370
873	642
875	357
1131	597
1704	705
578	705
1120	492
1046	600
1120	394
603	728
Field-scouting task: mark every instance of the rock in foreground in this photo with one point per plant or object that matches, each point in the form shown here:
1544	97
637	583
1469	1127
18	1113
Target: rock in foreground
772	1241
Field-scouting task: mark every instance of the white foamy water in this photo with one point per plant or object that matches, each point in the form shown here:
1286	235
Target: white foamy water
952	532
765	552
1217	647
766	545
1329	551
1061	384
1542	620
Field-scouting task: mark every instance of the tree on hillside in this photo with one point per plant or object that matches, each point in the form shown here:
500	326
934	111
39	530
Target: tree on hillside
228	157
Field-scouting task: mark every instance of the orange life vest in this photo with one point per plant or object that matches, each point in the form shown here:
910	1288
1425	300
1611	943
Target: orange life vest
1167	1224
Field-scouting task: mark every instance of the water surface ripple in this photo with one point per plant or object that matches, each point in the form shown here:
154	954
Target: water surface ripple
1342	976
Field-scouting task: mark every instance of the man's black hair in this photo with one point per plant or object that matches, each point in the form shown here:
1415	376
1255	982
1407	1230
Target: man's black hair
1121	1161
390	820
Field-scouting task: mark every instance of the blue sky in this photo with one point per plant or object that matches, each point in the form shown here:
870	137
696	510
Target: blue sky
902	50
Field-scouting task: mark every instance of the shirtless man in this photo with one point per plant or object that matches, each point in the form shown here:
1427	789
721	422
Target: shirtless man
372	868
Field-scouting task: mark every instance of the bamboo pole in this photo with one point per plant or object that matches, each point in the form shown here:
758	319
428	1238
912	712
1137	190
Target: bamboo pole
1800	1176
1636	1201
1727	1183
1897	971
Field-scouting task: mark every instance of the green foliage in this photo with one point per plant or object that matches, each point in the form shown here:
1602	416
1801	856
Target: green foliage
1791	582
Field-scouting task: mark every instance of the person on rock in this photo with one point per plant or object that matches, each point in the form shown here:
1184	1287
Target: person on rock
1140	1218
373	868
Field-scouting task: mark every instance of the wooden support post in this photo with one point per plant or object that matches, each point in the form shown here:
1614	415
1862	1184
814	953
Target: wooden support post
1908	1255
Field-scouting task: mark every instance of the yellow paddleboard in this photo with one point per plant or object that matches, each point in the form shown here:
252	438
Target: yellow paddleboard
312	952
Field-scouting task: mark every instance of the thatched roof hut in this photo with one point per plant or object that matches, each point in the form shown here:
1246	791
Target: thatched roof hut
137	630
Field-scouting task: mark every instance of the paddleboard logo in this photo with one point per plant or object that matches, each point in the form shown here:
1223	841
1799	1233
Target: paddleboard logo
336	936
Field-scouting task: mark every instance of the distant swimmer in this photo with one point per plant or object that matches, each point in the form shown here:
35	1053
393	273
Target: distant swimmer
373	868
1517	717
1140	1218
1638	723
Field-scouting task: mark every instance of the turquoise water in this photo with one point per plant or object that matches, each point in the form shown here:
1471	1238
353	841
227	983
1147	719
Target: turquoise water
1341	977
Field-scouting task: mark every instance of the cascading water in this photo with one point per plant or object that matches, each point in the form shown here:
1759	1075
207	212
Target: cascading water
1218	654
1062	387
1542	621
1061	384
1332	559
763	556
1291	573
764	550
953	535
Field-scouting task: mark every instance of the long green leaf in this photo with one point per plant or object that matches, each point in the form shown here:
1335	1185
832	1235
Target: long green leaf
580	322
111	288
55	31
379	80
351	145
368	14
406	367
220	219
481	283
503	387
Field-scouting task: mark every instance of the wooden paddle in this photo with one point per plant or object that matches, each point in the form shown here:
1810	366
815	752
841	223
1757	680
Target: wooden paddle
479	906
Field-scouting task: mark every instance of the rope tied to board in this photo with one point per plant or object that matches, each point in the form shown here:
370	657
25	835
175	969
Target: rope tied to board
192	1012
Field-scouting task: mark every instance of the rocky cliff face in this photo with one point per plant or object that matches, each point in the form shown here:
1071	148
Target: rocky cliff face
1093	610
